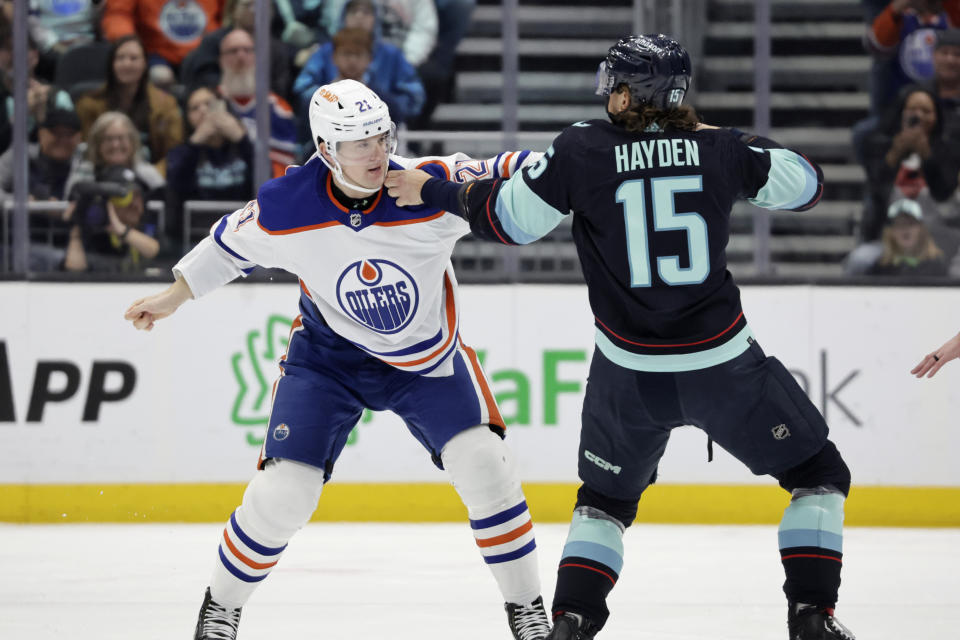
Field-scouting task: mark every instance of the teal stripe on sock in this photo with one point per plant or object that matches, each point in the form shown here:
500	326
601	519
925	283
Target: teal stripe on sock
815	517
593	551
810	538
604	532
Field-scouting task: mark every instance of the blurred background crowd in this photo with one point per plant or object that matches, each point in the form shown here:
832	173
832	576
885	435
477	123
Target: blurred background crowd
141	111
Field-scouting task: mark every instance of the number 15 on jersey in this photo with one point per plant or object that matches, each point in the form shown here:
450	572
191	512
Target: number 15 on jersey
665	218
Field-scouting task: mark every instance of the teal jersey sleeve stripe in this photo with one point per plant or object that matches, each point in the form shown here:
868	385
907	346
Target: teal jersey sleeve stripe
810	538
524	215
791	182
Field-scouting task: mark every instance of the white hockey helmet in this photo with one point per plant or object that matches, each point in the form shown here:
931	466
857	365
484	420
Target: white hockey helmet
347	111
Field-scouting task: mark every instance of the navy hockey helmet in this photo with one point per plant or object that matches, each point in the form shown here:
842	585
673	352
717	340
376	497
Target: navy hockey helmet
654	66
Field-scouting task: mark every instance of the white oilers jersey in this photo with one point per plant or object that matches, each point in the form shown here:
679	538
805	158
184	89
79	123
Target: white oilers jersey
379	277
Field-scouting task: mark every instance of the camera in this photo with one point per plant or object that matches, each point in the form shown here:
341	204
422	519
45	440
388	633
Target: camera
96	190
115	183
913	121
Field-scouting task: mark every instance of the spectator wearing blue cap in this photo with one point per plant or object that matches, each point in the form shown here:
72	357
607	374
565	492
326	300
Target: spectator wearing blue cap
387	72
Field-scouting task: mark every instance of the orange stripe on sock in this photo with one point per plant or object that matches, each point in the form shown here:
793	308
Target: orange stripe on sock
507	537
244	559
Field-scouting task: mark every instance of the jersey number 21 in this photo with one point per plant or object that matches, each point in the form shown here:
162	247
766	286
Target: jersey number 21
665	218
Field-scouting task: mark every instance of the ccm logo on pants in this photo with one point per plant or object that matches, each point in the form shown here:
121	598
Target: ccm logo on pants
600	462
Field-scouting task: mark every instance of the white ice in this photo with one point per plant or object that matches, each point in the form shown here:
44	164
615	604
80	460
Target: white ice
356	581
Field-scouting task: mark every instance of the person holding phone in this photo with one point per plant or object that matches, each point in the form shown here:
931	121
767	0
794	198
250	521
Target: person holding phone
215	162
907	156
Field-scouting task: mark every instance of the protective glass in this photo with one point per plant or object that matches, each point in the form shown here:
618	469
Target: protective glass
359	152
604	80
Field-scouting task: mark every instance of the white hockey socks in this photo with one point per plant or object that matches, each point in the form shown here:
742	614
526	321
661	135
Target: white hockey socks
483	472
277	503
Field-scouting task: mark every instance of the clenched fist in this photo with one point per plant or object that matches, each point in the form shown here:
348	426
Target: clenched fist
405	186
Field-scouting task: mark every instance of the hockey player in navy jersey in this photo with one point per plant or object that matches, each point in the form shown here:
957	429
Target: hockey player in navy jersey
378	328
650	192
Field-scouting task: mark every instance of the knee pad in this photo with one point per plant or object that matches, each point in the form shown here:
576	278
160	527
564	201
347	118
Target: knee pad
481	468
824	469
280	499
621	511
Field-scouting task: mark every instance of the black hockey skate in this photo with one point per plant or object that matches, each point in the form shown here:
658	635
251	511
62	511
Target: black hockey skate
572	626
528	622
216	622
808	622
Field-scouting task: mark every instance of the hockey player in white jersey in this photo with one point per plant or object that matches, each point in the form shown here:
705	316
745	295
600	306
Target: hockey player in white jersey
378	328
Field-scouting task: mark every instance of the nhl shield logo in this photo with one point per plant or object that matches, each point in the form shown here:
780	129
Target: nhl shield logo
781	432
355	219
378	294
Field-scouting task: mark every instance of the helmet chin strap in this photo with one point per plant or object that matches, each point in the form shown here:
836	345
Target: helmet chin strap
338	173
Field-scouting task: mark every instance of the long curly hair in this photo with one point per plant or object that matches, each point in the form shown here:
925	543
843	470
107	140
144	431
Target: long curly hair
638	117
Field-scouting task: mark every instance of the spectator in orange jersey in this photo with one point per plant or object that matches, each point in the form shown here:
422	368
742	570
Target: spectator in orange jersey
169	29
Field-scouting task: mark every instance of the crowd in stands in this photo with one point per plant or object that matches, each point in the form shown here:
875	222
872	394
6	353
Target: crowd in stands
133	101
166	91
909	145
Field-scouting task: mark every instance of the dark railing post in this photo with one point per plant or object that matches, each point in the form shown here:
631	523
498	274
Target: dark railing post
509	97
761	126
20	242
261	146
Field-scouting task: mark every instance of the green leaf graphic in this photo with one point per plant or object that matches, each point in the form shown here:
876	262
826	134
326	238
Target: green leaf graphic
251	407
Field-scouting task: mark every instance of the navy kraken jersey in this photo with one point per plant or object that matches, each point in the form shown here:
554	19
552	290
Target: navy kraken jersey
651	222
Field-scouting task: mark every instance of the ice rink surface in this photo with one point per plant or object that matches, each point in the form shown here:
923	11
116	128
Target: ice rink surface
357	581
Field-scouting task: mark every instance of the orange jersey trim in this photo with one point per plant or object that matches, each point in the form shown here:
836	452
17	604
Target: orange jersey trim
446	170
451	324
506	164
886	27
286	232
492	409
343	208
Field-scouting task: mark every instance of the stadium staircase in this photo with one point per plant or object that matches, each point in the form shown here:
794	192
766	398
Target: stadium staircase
819	89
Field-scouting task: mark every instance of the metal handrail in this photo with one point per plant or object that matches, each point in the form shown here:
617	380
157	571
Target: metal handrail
204	206
54	209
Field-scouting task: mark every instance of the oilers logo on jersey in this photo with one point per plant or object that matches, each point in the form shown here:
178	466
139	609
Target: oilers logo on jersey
378	294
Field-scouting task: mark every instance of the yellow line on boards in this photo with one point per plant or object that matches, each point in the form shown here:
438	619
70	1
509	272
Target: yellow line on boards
385	502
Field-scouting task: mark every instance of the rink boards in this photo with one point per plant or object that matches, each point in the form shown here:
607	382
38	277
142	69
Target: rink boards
103	423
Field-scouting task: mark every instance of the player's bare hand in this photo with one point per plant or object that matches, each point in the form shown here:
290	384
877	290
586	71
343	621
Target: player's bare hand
932	362
702	125
405	186
145	312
